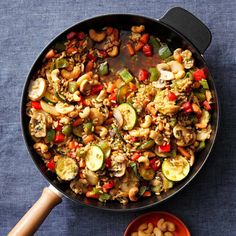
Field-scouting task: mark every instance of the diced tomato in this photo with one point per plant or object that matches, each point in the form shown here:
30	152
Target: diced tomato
133	139
36	105
108	185
91	57
187	107
135	156
144	38
103	53
51	165
96	89
172	96
164	148
154	164
71	50
199	75
59	138
147	50
112	97
143	75
207	105
77	122
89	66
71	35
80	35
147	194
108	163
90	194
71	154
58	128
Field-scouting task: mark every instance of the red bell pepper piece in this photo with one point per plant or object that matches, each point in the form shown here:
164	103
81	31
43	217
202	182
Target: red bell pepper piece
147	50
143	75
71	35
96	89
135	156
112	97
103	53
187	107
207	105
80	35
91	57
154	165
199	75
36	105
58	128
59	138
109	185
172	96
133	139
51	165
164	148
108	163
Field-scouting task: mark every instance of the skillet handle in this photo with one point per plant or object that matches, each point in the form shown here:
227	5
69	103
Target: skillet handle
35	216
190	26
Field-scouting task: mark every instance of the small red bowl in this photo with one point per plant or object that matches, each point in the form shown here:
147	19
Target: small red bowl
153	217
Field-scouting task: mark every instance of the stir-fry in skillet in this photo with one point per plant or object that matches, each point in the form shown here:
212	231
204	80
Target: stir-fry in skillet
117	114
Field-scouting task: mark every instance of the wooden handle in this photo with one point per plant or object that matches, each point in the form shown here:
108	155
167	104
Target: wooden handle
35	216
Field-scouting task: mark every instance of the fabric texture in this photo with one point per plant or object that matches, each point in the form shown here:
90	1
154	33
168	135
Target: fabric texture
207	205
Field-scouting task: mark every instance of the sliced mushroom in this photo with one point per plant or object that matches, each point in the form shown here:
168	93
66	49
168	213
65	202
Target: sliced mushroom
37	125
119	169
165	72
37	89
91	177
49	108
184	136
118	116
64	108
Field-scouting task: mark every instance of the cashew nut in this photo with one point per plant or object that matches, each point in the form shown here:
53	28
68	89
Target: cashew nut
86	76
168	226
177	68
96	116
165	72
97	37
132	194
177	54
141	132
159	224
134	234
142	227
101	130
113	52
168	234
147	122
149	229
151	108
101	96
145	160
41	147
157	232
71	74
138	29
76	96
85	113
85	87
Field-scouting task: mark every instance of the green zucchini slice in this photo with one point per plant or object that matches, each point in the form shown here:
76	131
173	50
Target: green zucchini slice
94	158
175	169
66	168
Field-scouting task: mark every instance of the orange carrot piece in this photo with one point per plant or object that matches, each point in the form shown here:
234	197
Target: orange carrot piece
88	139
130	49
183	152
138	46
144	38
50	54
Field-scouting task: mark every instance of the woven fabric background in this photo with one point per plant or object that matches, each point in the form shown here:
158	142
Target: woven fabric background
207	205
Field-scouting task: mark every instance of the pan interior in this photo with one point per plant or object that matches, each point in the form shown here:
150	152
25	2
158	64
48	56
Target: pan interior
174	40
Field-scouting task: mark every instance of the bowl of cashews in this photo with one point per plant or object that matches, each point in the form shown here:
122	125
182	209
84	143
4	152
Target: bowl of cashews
157	224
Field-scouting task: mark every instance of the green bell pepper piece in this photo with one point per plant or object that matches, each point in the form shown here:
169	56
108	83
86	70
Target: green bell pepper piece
204	84
125	75
154	74
73	86
103	68
61	63
67	130
51	135
164	52
201	146
153	41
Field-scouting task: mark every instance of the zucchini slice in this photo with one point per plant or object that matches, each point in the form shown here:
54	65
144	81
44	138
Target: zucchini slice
94	158
175	169
129	116
105	148
66	168
122	93
49	97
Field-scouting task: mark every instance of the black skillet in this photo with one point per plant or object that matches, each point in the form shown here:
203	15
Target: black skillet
178	28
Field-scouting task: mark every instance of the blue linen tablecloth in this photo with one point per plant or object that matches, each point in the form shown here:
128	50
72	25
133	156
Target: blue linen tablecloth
207	205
